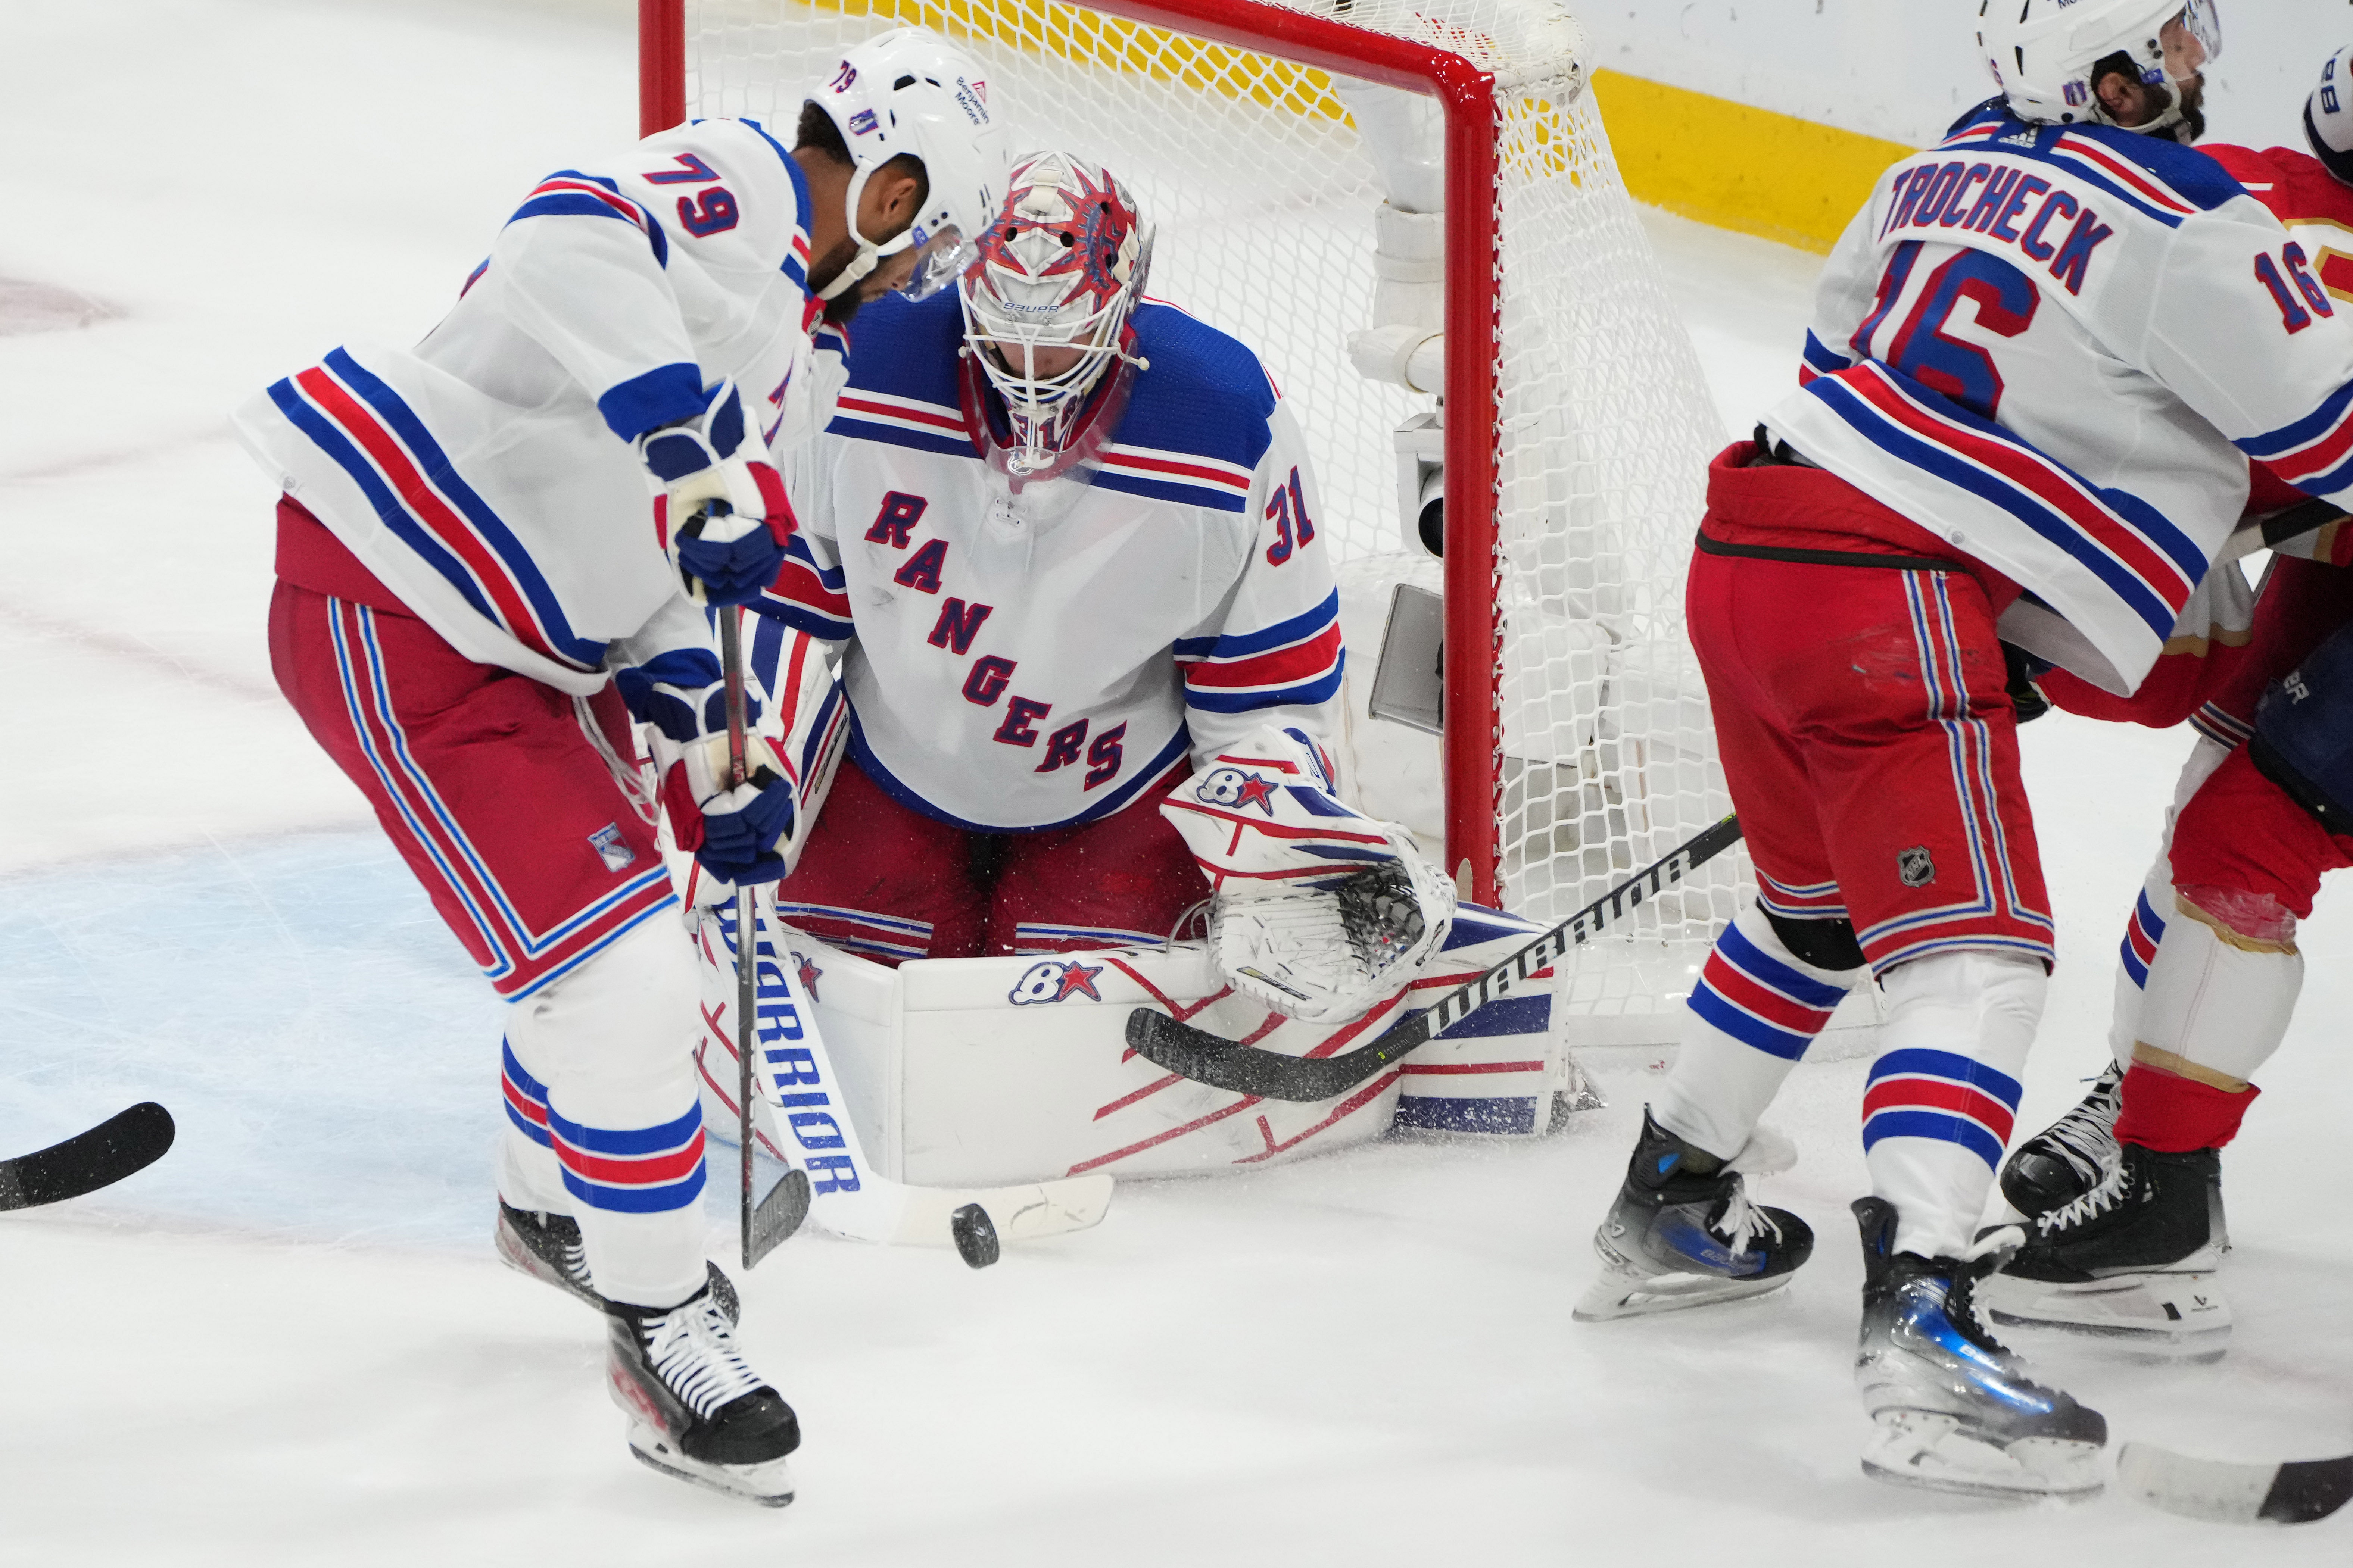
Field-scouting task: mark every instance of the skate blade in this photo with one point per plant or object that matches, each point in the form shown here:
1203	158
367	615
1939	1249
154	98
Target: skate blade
769	1485
1622	1293
1917	1449
2156	1317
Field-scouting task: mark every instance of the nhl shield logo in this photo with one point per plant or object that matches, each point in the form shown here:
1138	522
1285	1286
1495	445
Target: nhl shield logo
1916	865
612	848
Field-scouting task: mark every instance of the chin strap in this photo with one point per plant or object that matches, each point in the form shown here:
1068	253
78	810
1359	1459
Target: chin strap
869	255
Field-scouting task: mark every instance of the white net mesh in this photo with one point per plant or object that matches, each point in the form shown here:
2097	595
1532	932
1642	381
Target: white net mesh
1250	169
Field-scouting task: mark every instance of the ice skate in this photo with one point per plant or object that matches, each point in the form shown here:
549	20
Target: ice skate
2131	1261
547	1247
1954	1410
2067	1159
696	1411
1684	1234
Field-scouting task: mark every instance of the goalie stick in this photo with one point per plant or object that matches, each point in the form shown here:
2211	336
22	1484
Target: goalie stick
795	1074
2227	1492
766	1222
1230	1065
122	1145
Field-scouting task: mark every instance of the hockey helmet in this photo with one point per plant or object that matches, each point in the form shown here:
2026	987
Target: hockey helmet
1057	275
910	90
2044	55
2328	116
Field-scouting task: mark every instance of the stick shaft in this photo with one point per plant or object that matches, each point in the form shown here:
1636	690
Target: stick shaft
747	982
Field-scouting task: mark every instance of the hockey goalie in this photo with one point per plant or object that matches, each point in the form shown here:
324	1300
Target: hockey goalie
1067	540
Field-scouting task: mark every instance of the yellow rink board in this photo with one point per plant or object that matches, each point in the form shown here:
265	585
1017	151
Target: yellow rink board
1706	158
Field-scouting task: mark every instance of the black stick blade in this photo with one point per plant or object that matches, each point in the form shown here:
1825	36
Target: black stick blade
1226	1064
118	1147
779	1214
2306	1490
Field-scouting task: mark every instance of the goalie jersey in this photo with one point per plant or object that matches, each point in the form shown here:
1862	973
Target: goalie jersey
2057	347
1039	659
487	476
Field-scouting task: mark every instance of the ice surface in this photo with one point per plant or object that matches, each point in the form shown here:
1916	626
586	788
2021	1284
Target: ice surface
287	1343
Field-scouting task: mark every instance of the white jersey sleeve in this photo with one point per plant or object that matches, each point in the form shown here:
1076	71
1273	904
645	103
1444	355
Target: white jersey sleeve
1271	655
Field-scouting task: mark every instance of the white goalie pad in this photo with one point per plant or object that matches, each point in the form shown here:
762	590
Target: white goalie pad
990	1072
1319	910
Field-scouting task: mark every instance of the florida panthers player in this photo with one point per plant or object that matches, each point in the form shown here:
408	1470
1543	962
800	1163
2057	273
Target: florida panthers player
1073	536
2125	1190
470	581
2042	355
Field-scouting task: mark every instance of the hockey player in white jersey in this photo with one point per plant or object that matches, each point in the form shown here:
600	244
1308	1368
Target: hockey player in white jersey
2042	355
490	540
1071	537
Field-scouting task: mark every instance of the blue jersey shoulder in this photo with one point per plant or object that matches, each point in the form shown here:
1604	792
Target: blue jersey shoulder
907	348
1205	393
2195	177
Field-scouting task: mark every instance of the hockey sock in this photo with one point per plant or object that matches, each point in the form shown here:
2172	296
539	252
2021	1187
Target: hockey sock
2173	1114
612	1042
1942	1094
2222	988
530	1176
1756	1008
2154	909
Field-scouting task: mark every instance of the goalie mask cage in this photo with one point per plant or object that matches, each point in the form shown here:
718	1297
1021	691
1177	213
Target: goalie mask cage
1577	426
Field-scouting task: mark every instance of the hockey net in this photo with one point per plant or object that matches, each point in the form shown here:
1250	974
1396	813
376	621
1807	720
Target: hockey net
1579	746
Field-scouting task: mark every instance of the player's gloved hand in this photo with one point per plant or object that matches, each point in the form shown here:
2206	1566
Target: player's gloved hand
731	829
719	509
681	693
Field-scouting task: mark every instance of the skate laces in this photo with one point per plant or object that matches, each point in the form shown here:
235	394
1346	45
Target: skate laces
2085	1138
2108	1192
693	1352
1743	1221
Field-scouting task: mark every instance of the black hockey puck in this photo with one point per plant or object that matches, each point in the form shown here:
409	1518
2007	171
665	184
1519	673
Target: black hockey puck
975	1236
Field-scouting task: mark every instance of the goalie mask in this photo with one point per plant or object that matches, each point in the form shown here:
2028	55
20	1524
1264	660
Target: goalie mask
2050	56
911	92
1046	309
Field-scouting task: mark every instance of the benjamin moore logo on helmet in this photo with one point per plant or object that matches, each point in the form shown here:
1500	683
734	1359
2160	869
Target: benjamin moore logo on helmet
970	100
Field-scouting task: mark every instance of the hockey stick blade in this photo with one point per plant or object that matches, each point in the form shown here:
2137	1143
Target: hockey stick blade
2226	1492
1230	1065
119	1146
779	1214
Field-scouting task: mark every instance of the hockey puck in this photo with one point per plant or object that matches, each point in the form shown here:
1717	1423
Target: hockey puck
974	1234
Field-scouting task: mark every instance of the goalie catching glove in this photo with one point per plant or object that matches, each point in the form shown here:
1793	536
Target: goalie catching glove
732	830
720	513
1320	911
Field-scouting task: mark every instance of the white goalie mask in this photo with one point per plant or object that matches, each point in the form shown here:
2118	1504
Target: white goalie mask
909	90
2044	54
1056	278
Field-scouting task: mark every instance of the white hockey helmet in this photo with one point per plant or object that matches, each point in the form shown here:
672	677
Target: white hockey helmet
2042	54
1059	269
2328	116
910	90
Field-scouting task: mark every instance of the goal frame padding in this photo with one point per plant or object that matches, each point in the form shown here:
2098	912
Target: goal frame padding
1473	738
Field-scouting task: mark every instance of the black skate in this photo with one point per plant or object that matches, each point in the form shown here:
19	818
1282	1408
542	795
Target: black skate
1684	1234
696	1410
1955	1411
2131	1261
547	1247
2067	1159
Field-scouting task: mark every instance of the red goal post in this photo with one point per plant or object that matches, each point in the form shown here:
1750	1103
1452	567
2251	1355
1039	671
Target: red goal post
1576	424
